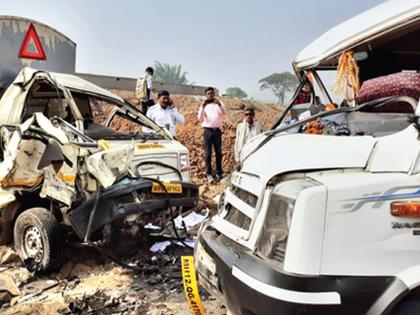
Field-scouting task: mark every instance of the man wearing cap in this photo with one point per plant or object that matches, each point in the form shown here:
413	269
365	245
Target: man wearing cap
245	130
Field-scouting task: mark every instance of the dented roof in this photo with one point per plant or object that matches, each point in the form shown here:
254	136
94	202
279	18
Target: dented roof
69	81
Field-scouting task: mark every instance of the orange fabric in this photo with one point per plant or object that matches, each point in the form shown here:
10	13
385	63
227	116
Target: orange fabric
347	79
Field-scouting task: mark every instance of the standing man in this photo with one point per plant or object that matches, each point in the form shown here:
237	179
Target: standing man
245	130
164	113
144	89
211	113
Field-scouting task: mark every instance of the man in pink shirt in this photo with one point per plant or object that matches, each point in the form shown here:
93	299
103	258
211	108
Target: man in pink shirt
211	113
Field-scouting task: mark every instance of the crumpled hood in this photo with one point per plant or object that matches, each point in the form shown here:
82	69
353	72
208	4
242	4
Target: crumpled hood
295	152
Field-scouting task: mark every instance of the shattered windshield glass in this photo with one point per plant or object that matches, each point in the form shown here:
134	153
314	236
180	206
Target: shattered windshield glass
312	111
105	120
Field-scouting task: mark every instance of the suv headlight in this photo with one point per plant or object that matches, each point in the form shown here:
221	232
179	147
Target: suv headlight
273	238
184	162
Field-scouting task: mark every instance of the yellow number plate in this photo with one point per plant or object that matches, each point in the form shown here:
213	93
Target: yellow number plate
145	146
172	188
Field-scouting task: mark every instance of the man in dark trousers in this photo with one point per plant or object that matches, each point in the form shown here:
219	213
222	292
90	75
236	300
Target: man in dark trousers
211	113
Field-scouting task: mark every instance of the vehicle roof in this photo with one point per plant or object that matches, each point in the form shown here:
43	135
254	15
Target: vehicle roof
382	19
70	81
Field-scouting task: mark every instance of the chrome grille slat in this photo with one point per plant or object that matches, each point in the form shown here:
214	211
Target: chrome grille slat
237	248
238	218
245	196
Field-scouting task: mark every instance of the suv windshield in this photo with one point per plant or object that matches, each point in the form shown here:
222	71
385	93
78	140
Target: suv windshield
104	119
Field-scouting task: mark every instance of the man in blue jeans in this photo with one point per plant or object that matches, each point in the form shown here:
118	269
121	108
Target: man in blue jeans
211	113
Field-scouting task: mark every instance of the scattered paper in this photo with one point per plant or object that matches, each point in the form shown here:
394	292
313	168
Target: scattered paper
190	220
188	241
217	199
305	115
159	246
150	226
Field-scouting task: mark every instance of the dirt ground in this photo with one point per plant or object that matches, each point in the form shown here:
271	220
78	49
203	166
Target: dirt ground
88	283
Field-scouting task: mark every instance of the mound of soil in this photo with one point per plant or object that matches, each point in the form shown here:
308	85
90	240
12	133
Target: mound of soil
191	135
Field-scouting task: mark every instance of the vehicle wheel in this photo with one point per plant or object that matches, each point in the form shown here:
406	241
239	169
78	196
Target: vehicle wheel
408	306
38	240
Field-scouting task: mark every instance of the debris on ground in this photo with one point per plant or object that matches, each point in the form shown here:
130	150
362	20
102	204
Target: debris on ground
8	289
91	286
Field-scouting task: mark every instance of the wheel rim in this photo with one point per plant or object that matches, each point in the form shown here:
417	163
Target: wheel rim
33	246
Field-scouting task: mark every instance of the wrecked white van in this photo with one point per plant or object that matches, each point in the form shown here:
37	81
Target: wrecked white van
328	221
98	114
66	169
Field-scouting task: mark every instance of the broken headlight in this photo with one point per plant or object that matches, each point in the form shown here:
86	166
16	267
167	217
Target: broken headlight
184	162
273	238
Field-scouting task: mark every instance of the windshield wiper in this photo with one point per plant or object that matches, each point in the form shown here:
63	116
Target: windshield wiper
150	135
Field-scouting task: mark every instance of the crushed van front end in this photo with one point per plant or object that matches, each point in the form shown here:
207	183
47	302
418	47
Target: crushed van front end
247	284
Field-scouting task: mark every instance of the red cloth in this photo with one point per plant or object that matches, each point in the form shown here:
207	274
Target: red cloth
396	84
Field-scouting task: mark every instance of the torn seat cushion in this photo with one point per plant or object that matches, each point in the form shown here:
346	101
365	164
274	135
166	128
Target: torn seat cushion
396	84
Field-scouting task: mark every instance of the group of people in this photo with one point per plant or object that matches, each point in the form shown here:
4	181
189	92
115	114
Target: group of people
211	114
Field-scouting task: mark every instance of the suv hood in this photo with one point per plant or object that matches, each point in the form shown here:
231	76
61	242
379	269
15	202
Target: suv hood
297	152
389	21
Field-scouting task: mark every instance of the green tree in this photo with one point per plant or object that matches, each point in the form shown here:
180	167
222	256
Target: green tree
280	84
168	73
236	92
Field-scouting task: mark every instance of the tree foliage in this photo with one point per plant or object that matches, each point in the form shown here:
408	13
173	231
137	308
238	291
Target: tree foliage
168	73
236	92
280	84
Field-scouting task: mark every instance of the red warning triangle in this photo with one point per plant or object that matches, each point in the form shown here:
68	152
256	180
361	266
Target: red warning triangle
25	51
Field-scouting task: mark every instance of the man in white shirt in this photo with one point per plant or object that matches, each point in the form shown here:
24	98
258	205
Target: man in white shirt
164	113
246	130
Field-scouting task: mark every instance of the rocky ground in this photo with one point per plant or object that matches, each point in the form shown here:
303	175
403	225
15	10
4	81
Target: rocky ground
89	283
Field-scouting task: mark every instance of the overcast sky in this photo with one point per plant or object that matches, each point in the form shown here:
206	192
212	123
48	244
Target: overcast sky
221	43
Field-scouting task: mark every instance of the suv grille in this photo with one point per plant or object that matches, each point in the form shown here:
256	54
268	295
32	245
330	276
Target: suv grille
245	196
237	218
237	248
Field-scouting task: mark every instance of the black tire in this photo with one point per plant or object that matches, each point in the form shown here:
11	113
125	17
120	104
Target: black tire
38	240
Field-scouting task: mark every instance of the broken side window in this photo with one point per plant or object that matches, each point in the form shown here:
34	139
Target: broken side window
49	100
106	120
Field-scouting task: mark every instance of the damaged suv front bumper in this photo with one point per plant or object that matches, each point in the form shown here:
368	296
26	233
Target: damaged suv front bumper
120	200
